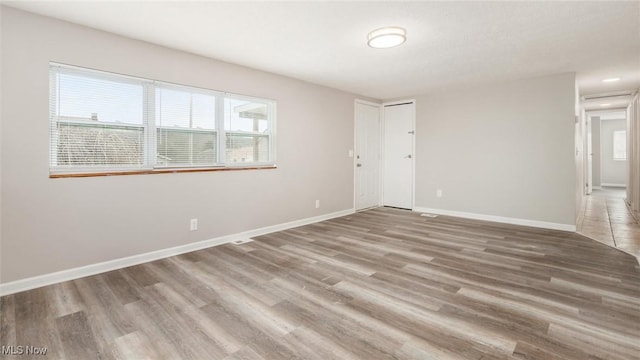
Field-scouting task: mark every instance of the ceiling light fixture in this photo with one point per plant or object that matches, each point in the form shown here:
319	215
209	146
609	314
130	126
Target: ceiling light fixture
386	37
605	104
611	79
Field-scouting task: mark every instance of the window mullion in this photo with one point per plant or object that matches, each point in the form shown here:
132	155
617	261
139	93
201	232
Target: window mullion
190	128
151	142
222	143
53	117
272	132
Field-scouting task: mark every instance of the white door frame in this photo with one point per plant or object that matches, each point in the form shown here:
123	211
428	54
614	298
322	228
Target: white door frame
353	152
588	155
413	148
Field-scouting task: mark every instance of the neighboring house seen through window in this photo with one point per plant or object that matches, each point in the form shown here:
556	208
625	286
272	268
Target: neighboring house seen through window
108	122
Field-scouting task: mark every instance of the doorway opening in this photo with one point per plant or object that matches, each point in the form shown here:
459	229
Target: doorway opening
605	214
384	154
399	149
607	164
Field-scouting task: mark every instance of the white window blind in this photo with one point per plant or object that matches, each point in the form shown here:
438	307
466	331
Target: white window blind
96	121
248	131
620	145
101	122
186	127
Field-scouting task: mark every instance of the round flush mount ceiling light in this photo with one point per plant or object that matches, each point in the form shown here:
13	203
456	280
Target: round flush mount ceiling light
386	37
611	79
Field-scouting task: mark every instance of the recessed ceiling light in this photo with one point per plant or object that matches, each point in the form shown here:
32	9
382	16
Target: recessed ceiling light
605	104
611	79
386	37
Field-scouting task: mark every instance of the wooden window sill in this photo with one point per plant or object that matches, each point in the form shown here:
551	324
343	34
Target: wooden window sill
159	171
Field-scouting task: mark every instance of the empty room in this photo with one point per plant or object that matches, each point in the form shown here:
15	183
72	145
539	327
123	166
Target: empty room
319	180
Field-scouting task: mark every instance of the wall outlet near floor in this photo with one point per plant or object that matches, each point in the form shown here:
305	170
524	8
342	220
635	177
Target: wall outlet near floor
317	204
193	225
439	193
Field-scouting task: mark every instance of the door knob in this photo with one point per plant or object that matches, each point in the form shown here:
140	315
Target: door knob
408	156
359	165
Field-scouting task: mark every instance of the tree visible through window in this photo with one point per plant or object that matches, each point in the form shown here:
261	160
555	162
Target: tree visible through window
98	122
101	121
620	145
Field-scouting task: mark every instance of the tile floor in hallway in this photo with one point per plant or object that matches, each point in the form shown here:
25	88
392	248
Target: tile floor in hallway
607	219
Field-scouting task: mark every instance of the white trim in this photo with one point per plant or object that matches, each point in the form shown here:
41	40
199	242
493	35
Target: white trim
413	145
499	219
614	185
396	102
355	149
596	187
365	102
79	272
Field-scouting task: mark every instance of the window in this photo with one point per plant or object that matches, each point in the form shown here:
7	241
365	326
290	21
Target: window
185	127
96	122
247	126
102	122
620	145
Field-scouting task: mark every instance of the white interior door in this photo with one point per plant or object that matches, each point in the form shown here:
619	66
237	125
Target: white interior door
367	156
398	155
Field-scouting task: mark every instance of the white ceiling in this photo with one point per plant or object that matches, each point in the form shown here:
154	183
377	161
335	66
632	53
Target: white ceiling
450	44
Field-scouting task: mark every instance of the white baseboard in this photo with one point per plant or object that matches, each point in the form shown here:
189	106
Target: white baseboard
88	270
614	185
500	219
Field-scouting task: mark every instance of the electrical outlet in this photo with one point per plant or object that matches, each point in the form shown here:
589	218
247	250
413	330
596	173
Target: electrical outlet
193	225
317	204
439	193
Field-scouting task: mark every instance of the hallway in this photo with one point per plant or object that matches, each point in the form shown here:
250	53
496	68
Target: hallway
606	219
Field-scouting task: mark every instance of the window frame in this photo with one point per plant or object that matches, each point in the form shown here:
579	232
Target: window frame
149	162
271	111
54	118
217	95
613	145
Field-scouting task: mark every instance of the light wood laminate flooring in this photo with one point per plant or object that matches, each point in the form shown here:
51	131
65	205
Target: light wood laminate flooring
380	284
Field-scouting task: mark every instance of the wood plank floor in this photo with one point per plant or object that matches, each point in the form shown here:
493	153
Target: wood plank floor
380	284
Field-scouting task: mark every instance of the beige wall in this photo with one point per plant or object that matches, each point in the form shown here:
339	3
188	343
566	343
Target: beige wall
56	224
1	142
501	150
